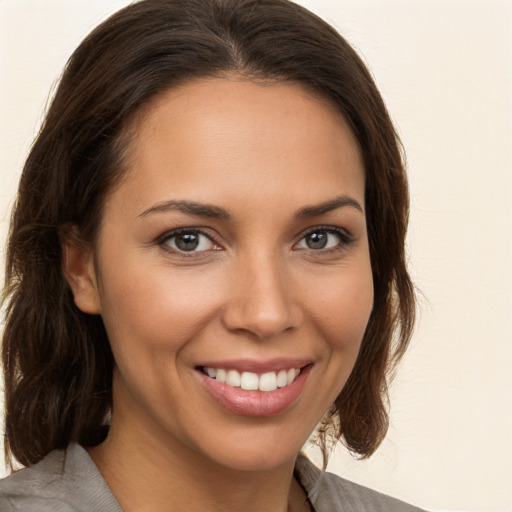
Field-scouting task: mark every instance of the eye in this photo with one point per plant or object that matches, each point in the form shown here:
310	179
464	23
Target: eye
188	240
323	239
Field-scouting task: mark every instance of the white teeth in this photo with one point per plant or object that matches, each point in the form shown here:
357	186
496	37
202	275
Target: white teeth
292	374
282	379
250	381
233	378
268	382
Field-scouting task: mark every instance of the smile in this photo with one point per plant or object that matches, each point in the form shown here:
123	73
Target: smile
249	381
255	389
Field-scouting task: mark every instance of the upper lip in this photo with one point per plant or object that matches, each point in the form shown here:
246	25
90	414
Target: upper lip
257	366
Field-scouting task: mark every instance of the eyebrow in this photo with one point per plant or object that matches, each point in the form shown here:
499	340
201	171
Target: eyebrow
327	206
190	207
211	211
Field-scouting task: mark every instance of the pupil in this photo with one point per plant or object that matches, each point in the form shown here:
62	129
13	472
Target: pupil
317	240
187	242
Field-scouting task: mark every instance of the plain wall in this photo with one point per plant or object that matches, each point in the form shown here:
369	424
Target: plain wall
445	70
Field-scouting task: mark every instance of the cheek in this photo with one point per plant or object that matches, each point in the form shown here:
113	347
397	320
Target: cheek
152	319
154	309
343	309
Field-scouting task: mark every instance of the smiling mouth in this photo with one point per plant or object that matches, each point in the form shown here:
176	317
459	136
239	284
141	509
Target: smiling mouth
249	381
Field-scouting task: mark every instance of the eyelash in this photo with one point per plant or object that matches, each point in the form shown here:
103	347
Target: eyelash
163	240
345	239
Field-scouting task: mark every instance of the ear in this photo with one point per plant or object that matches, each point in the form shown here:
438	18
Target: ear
80	273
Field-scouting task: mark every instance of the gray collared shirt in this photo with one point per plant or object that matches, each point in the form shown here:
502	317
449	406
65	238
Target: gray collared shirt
69	481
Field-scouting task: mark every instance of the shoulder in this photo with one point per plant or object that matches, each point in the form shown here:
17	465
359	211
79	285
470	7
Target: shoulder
34	488
64	481
331	493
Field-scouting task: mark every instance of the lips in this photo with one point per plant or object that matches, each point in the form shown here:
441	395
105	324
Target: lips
255	390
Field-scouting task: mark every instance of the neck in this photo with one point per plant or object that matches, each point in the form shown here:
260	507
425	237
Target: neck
148	475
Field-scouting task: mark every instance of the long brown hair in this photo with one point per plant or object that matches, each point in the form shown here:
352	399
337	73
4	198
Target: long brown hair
57	359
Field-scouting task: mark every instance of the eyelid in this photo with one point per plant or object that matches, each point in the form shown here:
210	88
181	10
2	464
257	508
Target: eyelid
346	238
168	235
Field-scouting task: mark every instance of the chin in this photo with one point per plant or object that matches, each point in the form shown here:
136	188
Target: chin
256	451
258	460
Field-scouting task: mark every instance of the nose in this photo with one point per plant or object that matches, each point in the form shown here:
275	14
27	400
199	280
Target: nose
262	299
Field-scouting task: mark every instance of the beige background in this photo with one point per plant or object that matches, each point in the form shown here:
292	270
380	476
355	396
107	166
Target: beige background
445	69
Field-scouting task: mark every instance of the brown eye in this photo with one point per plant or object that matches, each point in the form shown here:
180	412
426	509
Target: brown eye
318	239
187	240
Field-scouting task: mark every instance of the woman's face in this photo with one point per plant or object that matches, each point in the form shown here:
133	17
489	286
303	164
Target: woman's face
235	249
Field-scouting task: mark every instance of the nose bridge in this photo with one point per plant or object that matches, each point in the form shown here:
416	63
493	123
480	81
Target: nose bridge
262	299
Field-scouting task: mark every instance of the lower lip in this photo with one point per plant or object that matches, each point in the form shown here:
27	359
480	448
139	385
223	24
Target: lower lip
256	403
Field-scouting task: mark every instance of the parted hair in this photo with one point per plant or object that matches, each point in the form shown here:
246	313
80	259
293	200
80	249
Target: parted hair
57	360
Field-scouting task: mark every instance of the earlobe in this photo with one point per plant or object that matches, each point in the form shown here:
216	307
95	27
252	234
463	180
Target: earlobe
79	271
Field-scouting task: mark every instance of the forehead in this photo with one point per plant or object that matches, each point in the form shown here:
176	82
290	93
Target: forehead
244	137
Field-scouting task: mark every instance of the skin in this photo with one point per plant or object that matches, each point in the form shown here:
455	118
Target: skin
255	289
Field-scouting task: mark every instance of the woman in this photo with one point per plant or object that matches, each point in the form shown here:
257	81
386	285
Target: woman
206	261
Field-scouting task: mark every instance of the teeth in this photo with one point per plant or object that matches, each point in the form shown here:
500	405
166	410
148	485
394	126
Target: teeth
250	381
292	373
268	382
282	379
233	378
